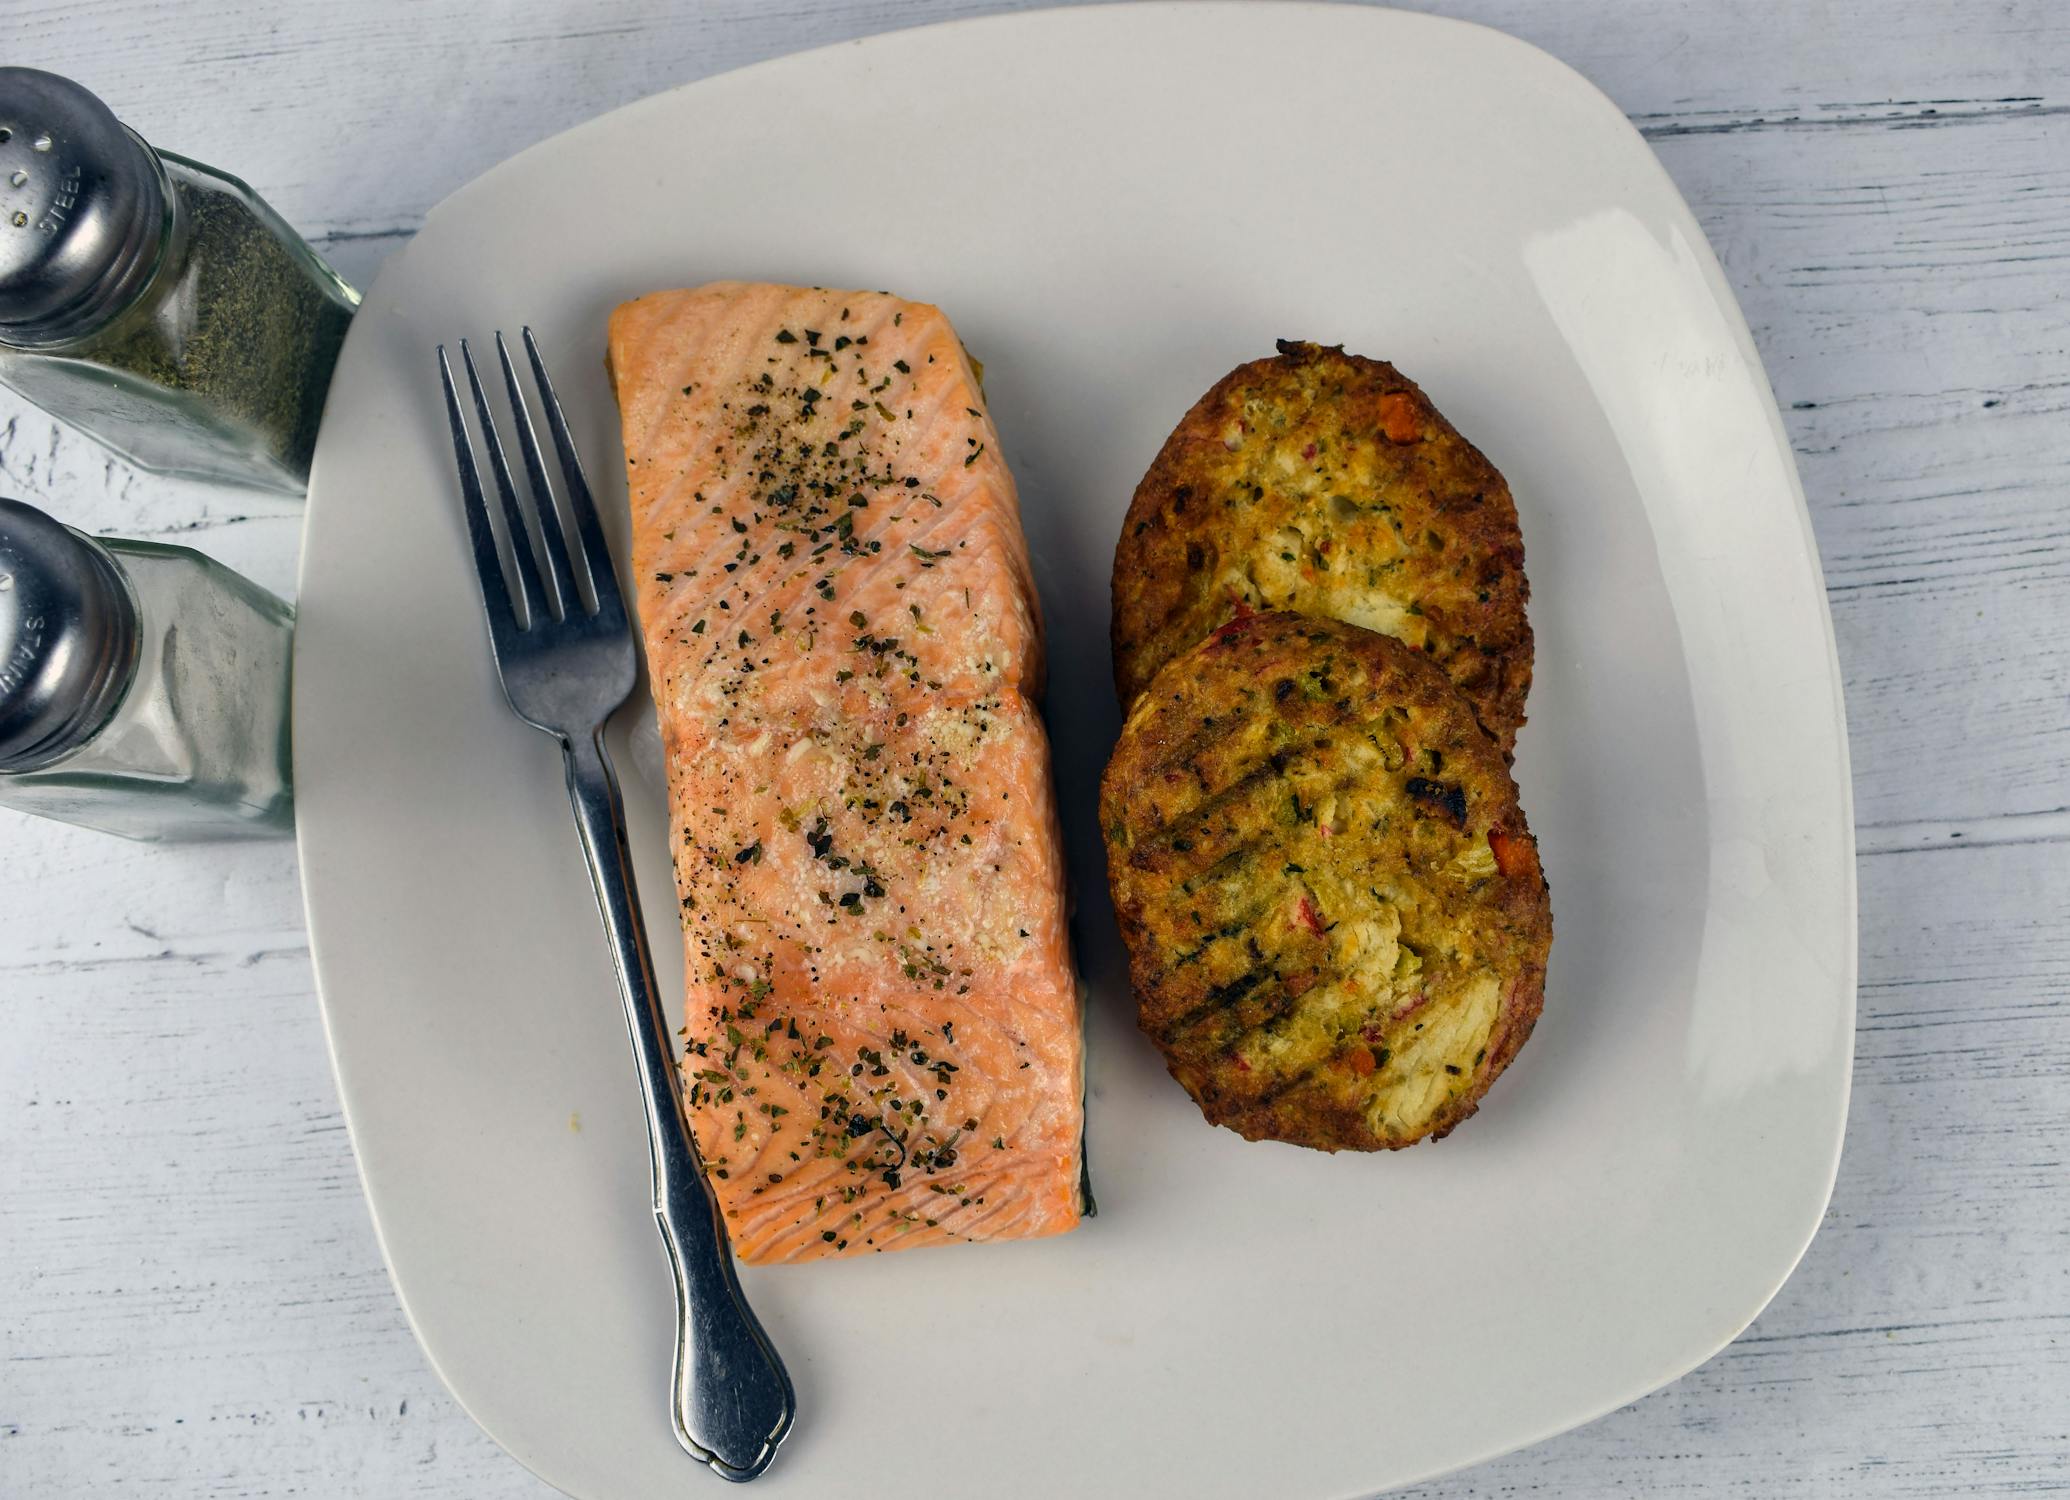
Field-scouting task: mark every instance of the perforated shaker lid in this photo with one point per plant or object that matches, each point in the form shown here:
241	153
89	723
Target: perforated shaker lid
84	210
68	638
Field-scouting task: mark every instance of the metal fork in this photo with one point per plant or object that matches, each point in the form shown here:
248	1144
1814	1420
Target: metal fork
564	650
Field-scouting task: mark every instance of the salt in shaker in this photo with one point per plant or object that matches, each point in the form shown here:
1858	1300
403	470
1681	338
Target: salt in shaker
143	688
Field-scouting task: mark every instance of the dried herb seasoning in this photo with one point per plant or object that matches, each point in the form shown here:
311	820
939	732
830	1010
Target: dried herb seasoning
157	303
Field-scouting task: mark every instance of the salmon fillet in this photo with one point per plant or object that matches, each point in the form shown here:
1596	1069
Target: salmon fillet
845	650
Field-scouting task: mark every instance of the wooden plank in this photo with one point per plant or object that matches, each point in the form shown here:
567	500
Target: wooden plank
406	102
1912	312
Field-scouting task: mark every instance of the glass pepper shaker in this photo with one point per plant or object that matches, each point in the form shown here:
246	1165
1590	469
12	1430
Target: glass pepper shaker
143	688
154	302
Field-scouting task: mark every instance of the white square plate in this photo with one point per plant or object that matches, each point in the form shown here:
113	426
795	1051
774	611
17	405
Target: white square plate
1116	206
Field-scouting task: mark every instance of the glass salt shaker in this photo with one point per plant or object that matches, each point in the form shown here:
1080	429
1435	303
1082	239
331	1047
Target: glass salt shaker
143	688
154	302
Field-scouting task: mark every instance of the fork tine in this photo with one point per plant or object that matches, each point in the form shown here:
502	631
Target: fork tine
495	590
596	552
560	581
527	586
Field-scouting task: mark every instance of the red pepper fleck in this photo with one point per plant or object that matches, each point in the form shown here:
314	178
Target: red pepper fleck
1238	622
1308	452
1398	419
1310	917
1512	854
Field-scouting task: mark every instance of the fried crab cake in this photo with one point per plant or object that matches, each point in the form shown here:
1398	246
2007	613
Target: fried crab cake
1336	920
1327	484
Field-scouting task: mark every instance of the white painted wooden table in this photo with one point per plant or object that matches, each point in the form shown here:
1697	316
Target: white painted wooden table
191	1300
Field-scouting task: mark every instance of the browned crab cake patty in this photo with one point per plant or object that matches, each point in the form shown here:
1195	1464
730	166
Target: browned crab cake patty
1336	921
1327	484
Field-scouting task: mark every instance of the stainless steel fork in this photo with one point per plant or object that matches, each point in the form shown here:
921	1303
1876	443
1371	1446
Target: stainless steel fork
564	649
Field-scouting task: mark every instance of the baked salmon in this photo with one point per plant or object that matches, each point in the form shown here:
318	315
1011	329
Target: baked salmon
845	649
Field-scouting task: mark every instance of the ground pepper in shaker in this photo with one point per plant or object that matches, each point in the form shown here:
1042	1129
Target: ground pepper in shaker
143	688
154	302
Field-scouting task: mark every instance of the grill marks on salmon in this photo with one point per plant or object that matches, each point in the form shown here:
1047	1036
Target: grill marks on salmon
844	647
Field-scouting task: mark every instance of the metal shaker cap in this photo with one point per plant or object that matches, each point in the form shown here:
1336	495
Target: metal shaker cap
84	210
68	638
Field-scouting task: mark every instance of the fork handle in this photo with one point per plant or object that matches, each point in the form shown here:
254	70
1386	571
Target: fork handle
732	1402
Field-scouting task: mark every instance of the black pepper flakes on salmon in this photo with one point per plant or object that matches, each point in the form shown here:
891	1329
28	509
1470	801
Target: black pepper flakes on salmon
844	856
